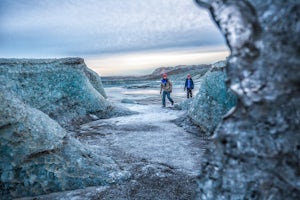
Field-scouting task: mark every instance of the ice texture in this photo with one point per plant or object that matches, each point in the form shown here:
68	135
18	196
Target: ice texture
213	100
64	89
256	155
41	100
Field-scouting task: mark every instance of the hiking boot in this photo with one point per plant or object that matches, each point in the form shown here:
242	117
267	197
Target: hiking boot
172	103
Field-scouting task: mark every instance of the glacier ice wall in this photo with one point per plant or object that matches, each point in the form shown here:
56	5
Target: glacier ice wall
257	149
40	100
213	100
64	89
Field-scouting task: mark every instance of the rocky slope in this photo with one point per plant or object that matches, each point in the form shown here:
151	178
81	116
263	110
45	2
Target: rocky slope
256	155
39	100
180	69
177	74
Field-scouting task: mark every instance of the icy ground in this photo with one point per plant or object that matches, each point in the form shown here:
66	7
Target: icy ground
159	159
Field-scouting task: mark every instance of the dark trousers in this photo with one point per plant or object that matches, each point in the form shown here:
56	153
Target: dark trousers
164	94
189	93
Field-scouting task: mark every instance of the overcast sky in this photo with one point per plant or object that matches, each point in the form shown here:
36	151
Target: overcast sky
99	30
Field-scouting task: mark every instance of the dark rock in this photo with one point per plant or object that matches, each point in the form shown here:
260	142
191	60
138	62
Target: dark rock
130	101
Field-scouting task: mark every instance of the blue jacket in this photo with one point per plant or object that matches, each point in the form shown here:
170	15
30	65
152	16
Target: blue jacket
191	84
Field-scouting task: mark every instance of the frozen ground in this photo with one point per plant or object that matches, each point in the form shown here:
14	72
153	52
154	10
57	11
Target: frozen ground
160	159
144	96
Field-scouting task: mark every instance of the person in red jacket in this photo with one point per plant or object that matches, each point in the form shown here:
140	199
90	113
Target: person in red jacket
166	88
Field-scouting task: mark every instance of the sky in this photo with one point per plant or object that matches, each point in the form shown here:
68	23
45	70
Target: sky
115	37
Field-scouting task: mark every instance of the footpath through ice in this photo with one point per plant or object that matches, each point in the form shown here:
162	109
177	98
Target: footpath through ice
159	156
149	145
151	134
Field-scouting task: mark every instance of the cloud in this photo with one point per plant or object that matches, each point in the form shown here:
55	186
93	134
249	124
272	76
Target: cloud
144	62
90	27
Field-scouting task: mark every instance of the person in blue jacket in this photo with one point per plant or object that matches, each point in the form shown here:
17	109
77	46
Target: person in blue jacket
189	86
